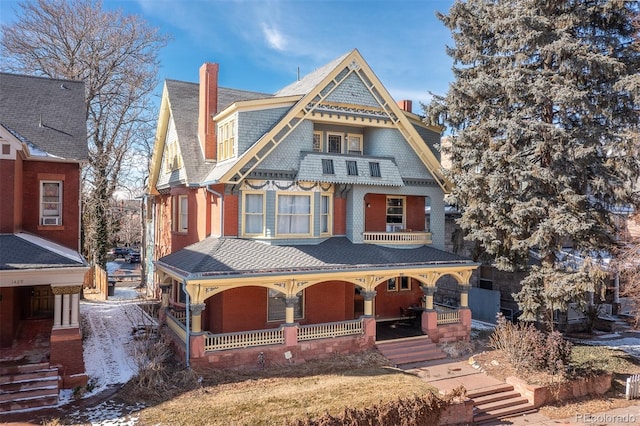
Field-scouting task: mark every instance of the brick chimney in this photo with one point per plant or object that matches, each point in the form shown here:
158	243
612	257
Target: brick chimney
406	105
208	108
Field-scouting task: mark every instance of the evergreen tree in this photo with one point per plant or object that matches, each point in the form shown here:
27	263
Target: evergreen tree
544	135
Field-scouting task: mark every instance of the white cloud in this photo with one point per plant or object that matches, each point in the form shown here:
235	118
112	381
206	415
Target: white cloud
274	37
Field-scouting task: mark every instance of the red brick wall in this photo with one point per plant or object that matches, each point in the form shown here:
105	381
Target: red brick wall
339	216
415	213
376	214
326	302
34	171
388	303
11	191
8	316
66	352
230	206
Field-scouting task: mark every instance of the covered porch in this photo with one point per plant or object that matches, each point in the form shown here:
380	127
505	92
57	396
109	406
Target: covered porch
212	339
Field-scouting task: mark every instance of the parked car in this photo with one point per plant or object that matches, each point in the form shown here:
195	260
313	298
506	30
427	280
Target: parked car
117	252
132	256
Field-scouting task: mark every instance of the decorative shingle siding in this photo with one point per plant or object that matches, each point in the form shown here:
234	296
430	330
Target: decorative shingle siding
390	143
167	177
353	91
431	138
286	156
253	124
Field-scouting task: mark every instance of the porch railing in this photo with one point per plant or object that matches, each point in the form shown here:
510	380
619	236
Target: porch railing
243	339
448	317
177	326
414	237
180	316
330	329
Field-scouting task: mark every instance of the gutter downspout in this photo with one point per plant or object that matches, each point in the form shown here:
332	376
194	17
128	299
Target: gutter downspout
221	197
188	313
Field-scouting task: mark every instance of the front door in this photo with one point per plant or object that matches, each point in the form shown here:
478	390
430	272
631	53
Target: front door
41	301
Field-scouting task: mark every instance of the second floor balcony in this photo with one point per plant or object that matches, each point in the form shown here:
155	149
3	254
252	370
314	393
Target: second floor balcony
401	237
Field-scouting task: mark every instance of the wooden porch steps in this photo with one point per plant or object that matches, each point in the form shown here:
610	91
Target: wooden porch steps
28	386
497	401
410	350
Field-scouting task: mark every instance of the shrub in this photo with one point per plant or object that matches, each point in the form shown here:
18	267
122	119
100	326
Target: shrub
528	349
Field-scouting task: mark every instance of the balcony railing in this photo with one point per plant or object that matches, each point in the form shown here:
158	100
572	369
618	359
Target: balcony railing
399	238
330	329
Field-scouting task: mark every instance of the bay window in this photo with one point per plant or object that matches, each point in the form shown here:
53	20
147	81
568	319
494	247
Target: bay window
293	214
253	213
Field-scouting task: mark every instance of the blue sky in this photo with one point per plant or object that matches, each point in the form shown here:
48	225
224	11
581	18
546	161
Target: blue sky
260	44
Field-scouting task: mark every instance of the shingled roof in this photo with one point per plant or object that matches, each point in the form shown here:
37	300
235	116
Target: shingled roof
25	251
47	113
183	98
230	256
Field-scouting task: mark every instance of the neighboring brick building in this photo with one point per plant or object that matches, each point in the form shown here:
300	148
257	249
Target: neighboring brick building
300	215
43	142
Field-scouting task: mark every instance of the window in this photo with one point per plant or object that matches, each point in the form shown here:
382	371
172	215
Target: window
276	305
51	203
254	213
327	167
294	214
317	141
395	214
354	144
325	214
352	168
374	169
334	143
226	139
399	283
183	213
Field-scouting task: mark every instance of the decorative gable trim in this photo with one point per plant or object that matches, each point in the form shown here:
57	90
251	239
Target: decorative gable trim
313	101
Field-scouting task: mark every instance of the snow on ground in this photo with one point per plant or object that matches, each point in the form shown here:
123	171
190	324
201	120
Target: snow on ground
628	342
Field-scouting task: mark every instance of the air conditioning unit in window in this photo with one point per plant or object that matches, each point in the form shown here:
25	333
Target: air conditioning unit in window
51	221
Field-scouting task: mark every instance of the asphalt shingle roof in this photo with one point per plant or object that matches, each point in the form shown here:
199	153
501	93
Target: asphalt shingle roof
19	253
229	256
183	99
48	113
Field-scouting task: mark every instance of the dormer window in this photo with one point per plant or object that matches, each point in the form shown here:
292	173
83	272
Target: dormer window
226	139
352	168
374	169
327	166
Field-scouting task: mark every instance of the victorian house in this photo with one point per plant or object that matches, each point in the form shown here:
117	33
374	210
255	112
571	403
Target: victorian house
43	143
285	226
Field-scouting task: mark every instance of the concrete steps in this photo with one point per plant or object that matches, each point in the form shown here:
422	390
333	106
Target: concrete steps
28	386
494	402
410	350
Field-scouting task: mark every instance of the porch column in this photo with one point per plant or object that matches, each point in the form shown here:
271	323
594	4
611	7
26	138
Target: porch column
464	295
57	310
196	316
75	307
428	296
65	309
289	313
368	302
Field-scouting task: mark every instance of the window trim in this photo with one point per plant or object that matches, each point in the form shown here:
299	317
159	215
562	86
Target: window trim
309	195
329	214
404	213
321	147
183	227
374	169
360	143
41	203
226	132
352	167
339	135
244	212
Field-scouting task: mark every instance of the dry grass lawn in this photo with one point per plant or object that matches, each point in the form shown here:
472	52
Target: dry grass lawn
284	394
